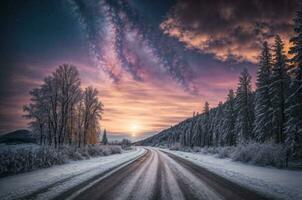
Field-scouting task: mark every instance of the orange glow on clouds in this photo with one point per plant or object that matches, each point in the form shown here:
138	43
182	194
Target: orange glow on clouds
138	108
133	108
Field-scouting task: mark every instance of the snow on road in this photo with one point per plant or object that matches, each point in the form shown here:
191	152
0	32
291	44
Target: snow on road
157	175
48	183
280	183
200	189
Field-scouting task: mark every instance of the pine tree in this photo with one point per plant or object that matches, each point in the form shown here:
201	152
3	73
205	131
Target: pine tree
206	108
230	118
206	124
104	139
216	125
293	128
244	107
263	116
278	90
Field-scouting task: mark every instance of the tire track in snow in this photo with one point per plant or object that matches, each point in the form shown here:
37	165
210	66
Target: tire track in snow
161	176
224	187
191	187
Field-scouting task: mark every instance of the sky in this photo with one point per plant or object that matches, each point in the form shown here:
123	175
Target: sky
154	62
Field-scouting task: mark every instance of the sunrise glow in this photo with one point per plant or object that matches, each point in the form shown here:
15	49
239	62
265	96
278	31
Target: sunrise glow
151	72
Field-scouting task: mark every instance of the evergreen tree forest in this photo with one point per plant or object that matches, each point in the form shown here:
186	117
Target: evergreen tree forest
272	113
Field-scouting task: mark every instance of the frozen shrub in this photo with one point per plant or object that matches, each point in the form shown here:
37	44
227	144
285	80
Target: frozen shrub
176	147
116	149
72	153
94	151
225	152
212	150
269	154
266	154
242	153
260	154
14	159
107	151
126	144
196	149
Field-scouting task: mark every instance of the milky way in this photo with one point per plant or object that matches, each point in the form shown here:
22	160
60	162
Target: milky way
109	24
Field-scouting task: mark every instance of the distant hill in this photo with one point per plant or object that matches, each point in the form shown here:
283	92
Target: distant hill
17	137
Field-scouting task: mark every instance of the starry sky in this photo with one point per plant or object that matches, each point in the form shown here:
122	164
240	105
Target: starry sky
154	62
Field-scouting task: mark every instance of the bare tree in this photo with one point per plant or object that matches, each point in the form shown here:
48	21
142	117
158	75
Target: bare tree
61	112
92	110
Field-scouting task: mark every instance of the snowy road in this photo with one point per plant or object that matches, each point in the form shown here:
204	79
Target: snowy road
159	175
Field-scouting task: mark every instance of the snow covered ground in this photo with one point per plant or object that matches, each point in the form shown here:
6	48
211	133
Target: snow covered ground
279	183
48	183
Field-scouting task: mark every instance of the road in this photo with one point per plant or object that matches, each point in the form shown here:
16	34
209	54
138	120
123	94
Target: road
159	175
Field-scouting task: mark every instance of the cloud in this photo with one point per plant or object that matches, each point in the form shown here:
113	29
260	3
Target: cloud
229	30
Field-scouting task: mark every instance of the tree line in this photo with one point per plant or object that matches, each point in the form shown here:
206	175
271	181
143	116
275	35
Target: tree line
61	112
271	113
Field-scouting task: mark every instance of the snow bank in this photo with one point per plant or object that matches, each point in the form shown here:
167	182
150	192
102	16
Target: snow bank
279	183
262	154
48	183
16	159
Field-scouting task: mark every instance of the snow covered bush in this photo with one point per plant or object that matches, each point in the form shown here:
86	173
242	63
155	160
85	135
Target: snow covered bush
17	159
263	154
196	149
116	149
13	161
175	147
260	154
225	152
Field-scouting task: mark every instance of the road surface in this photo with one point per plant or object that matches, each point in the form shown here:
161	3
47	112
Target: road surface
160	175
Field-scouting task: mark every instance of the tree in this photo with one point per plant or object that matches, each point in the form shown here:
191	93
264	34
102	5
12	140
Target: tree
69	82
93	109
104	139
293	128
37	112
61	113
126	143
206	124
230	118
244	107
216	129
206	108
278	90
263	115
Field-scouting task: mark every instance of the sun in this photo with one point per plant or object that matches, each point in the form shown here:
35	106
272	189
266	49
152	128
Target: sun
134	127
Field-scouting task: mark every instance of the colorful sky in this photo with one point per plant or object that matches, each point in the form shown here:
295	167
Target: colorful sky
154	62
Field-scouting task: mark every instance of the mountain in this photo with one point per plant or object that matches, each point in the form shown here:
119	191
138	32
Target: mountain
17	137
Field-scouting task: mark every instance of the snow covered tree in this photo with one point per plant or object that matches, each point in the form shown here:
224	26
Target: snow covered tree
37	111
216	125
104	139
67	77
244	107
278	90
263	115
230	118
206	124
197	132
293	128
206	108
61	112
93	109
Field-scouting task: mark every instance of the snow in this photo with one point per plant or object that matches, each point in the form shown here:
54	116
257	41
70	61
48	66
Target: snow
192	182
279	183
161	177
48	183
